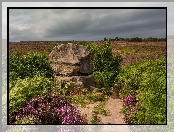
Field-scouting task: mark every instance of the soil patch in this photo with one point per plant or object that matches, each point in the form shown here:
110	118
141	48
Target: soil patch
113	105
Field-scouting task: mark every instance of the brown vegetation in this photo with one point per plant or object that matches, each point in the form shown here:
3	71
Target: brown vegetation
130	51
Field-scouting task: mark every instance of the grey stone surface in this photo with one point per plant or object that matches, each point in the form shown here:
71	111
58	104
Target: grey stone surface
71	60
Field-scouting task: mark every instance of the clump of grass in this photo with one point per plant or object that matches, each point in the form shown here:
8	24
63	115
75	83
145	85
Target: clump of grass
95	119
100	109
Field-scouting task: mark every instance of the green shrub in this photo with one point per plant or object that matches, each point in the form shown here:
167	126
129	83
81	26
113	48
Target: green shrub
29	65
105	80
25	89
146	80
153	101
133	76
106	66
103	59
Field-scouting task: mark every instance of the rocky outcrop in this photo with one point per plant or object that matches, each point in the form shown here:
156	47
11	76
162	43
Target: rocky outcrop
72	62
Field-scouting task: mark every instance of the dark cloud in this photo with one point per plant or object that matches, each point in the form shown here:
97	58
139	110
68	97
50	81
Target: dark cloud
85	24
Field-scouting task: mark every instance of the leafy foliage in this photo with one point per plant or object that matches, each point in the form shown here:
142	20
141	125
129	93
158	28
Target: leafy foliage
95	118
103	59
106	66
132	77
29	65
66	90
147	81
25	89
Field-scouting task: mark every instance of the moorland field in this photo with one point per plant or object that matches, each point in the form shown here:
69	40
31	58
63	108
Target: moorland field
132	73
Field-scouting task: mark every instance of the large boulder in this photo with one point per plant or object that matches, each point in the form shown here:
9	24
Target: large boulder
71	60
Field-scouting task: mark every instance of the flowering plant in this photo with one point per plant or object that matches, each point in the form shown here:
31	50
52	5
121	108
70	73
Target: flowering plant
50	109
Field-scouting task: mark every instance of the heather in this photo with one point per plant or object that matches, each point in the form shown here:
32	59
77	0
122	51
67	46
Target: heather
50	109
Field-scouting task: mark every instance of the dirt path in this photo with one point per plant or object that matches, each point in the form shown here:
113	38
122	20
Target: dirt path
114	105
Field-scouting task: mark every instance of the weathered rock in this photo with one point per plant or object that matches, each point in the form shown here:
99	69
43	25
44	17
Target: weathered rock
80	81
71	60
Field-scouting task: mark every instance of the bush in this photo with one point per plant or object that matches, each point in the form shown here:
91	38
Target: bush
147	82
103	59
50	109
25	89
106	66
134	76
29	65
153	101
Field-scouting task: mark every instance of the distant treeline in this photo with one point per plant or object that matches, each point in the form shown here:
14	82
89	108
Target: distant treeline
135	39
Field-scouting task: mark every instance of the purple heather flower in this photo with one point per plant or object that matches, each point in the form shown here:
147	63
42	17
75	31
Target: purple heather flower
129	100
62	111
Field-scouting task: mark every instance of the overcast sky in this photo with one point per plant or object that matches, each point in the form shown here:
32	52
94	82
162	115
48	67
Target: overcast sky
86	24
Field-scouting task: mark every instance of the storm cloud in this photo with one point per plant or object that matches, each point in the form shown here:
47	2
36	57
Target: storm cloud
85	24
